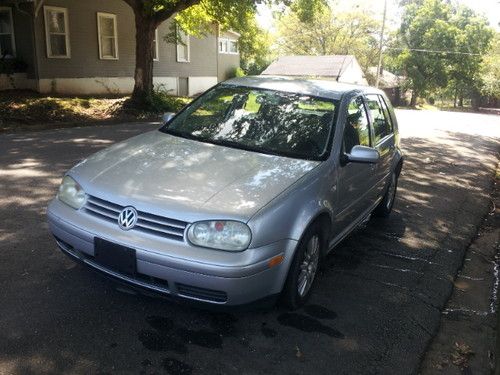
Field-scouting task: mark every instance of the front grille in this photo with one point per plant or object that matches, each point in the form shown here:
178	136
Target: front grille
201	293
146	223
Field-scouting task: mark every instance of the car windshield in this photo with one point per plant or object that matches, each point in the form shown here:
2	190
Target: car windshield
267	121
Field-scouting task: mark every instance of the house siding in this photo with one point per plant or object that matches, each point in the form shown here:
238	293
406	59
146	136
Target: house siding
203	56
84	60
84	72
353	74
227	63
85	50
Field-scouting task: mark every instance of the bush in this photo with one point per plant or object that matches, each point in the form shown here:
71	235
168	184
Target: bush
160	101
238	72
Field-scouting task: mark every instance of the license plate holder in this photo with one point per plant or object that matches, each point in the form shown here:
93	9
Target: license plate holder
115	257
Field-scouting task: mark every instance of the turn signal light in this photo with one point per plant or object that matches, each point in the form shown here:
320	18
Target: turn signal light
276	260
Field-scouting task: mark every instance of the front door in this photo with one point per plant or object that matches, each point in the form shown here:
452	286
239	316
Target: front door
356	180
383	137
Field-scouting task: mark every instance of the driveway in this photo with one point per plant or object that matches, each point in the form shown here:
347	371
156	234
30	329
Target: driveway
376	307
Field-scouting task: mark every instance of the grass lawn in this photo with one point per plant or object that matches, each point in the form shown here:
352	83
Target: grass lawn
20	110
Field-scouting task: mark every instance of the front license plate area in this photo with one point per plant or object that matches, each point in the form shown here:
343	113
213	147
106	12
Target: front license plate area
115	257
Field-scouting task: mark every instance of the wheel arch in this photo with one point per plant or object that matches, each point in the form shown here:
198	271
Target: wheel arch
324	220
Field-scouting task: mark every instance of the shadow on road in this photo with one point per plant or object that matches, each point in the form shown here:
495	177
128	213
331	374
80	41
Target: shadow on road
377	303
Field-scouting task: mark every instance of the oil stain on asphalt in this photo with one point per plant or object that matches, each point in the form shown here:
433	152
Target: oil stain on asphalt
319	312
307	324
164	336
176	367
266	331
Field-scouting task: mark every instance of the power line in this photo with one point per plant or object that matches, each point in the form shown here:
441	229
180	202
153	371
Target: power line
434	51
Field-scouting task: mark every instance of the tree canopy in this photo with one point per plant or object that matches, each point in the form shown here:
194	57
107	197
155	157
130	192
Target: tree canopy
441	44
317	29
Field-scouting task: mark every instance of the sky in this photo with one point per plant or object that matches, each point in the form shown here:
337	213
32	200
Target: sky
490	8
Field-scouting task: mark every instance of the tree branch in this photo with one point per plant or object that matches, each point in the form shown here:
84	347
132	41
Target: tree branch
168	12
134	4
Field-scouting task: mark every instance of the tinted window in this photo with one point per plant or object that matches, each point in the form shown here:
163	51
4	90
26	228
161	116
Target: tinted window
387	114
267	121
380	115
357	130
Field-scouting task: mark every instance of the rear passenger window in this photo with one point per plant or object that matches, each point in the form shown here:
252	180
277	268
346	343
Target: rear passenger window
382	126
357	130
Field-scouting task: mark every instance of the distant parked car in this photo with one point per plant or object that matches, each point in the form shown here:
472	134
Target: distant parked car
237	197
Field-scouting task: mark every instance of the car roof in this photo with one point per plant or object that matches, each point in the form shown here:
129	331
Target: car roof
314	87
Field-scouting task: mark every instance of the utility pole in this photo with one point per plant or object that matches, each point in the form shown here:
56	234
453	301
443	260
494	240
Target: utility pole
381	45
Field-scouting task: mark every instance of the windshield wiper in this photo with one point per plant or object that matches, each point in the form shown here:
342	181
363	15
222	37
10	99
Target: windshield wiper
241	146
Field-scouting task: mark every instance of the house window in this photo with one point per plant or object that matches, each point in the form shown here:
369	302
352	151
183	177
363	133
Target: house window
182	46
7	47
56	32
233	46
155	47
108	40
229	46
222	45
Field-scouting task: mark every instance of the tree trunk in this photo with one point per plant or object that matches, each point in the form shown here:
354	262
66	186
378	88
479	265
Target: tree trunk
413	101
145	33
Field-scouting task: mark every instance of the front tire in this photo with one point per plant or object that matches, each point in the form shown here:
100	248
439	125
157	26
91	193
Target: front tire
303	270
384	208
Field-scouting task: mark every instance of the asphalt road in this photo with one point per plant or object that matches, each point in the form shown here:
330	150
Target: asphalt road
376	307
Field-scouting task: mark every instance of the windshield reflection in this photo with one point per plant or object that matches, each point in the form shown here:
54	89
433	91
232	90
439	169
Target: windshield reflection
267	121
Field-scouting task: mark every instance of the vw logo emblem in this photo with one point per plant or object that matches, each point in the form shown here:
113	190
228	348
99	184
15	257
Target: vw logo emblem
127	218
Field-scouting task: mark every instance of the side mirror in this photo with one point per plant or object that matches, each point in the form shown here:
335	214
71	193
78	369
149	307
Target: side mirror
363	154
167	116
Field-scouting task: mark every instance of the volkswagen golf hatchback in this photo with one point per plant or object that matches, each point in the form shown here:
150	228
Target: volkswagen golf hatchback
239	196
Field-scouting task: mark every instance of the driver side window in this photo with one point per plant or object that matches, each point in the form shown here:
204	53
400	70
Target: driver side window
357	129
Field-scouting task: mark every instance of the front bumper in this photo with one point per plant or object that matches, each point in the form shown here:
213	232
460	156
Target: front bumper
172	267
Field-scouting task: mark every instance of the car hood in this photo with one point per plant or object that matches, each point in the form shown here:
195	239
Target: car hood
186	179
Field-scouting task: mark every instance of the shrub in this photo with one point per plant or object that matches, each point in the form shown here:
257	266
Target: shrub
238	72
160	101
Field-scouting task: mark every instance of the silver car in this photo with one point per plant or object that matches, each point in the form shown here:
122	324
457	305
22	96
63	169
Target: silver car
239	196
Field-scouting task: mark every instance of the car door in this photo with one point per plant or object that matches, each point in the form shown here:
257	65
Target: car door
383	138
355	180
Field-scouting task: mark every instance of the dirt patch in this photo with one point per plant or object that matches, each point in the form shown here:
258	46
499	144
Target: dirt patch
27	110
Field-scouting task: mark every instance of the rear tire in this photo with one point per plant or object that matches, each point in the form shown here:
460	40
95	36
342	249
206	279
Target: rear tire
384	208
303	270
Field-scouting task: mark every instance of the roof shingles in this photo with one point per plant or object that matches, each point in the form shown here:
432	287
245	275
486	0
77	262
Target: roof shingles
309	66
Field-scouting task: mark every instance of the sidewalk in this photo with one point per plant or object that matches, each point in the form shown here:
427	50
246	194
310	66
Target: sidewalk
465	342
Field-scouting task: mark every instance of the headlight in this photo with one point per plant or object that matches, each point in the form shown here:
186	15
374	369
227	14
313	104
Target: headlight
220	234
71	193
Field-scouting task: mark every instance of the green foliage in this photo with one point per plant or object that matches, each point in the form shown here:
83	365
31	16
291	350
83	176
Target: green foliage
347	33
490	70
239	16
439	25
161	101
238	72
308	11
